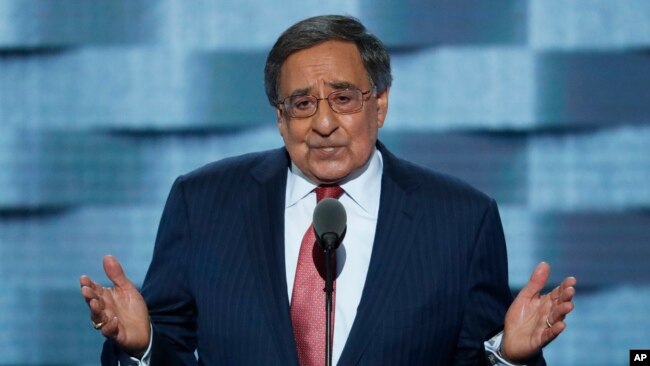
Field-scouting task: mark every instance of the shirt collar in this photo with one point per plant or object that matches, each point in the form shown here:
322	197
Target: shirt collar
363	187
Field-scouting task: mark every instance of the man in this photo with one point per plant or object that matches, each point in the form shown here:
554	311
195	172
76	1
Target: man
421	274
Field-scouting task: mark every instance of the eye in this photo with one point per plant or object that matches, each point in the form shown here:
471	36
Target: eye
302	103
342	98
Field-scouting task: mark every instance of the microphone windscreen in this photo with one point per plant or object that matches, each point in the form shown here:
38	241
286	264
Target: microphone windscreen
330	217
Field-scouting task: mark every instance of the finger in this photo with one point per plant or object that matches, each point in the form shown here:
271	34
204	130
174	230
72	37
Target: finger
537	280
88	282
559	294
97	312
551	333
96	287
84	281
567	283
560	312
88	293
115	273
555	293
94	302
567	294
104	317
111	328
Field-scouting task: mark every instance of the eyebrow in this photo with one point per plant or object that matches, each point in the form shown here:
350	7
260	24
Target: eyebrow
336	85
341	85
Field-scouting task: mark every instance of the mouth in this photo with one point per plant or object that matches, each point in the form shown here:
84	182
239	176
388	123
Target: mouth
326	152
327	147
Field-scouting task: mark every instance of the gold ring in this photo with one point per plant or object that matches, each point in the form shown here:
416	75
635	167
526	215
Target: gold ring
548	324
98	325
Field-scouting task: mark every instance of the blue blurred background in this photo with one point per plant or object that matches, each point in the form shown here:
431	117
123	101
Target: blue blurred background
543	104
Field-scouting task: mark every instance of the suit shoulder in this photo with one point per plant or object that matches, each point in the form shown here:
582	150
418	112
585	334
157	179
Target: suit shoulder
236	167
435	183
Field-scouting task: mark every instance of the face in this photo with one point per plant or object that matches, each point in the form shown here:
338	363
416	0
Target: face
327	147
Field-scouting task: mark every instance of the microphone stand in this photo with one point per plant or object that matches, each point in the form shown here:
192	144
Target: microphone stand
329	241
329	288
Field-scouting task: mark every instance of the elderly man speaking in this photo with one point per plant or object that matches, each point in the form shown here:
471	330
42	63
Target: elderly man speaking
236	278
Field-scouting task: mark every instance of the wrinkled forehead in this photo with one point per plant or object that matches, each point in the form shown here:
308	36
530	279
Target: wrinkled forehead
328	65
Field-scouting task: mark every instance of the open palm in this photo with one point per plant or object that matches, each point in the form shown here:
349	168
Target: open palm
534	320
119	312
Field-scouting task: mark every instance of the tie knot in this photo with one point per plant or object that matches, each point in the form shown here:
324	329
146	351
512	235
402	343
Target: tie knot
328	192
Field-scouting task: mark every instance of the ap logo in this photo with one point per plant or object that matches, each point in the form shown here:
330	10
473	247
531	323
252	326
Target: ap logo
639	357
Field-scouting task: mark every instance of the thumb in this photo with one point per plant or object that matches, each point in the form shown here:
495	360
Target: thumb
537	280
115	273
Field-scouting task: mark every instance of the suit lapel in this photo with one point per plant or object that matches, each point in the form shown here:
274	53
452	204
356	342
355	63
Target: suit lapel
395	224
264	213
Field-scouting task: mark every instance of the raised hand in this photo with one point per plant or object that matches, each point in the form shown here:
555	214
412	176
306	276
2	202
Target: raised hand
118	312
534	320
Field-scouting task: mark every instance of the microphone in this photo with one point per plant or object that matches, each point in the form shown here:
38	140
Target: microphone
330	223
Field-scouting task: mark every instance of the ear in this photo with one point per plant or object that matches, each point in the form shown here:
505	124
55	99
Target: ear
282	125
382	107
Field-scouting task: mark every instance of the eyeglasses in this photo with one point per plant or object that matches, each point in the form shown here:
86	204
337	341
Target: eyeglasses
344	101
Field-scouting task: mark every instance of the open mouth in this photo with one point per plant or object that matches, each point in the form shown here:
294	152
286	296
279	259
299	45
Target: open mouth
326	152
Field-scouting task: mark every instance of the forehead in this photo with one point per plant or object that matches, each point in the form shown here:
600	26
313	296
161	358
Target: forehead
327	63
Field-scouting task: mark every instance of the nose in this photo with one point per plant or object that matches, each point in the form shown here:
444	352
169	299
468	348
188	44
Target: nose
325	120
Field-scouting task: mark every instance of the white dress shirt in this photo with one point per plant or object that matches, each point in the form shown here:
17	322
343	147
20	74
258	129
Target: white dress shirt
361	203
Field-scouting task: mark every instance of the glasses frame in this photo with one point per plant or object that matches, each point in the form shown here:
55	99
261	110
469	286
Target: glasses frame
282	104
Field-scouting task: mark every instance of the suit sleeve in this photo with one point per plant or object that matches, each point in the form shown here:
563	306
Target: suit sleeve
489	294
166	290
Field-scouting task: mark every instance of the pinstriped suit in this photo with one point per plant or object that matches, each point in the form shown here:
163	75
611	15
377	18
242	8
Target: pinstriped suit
436	288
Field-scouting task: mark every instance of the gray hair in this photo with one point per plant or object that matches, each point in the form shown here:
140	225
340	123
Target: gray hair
312	31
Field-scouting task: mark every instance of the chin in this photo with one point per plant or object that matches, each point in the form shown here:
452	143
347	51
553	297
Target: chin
329	178
330	175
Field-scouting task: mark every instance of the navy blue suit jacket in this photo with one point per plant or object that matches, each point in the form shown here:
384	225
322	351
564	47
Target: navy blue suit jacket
436	288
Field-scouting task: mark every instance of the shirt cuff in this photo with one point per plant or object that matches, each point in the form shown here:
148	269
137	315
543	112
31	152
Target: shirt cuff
492	347
126	360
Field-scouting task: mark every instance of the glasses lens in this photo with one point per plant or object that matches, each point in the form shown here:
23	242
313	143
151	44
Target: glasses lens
301	105
346	101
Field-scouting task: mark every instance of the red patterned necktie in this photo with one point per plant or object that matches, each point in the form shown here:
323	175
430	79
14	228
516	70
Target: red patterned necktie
308	297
